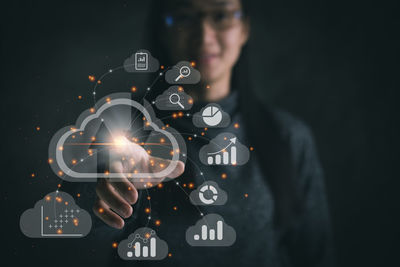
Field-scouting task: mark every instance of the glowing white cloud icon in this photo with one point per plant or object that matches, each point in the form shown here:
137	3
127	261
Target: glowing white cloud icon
57	144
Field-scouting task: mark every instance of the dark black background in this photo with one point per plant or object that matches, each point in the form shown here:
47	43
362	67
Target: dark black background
333	64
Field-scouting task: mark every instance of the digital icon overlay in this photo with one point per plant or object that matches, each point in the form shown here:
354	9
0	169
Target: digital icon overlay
211	116
182	73
56	216
174	98
211	231
141	61
73	157
143	244
208	194
224	149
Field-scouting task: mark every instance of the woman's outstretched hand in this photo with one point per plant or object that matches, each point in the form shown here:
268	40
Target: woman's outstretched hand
115	196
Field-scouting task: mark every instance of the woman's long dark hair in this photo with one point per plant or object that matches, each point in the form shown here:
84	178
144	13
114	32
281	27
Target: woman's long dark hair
261	126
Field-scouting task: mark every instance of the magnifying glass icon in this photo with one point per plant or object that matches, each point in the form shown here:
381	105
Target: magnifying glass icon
184	71
175	99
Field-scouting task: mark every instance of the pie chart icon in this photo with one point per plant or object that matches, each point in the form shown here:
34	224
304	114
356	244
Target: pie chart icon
208	194
212	115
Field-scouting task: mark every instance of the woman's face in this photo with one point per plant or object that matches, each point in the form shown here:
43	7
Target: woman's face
210	32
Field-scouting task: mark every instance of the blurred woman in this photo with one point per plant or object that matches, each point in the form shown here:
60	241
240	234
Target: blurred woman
277	202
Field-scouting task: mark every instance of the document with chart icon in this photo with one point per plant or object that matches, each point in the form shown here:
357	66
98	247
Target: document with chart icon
141	61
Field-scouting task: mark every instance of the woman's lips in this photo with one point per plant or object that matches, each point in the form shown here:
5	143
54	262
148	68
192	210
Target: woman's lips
207	58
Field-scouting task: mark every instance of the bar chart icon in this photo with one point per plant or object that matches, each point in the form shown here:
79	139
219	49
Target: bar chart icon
143	245
225	156
225	149
211	230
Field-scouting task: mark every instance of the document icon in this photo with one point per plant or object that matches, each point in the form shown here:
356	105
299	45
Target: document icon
141	61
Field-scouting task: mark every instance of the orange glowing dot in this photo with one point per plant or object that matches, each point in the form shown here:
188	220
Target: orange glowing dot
59	185
208	86
175	208
73	161
114	244
37	128
61	148
101	210
108	99
33	175
147	123
66	203
190	101
75	221
148	198
78	195
59	199
147	210
133	88
162	140
129	188
246	195
193	64
47	218
190	138
167	125
180	89
205	129
223	176
191	185
59	231
202	133
251	148
225	138
91	78
170	255
184	185
149	151
50	161
93	138
99	82
81	133
158	222
180	114
162	67
92	110
236	125
162	165
48	198
160	185
60	173
174	115
79	97
106	172
147	235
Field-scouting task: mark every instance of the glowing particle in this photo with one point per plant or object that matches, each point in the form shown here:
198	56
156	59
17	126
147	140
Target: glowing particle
37	128
251	148
162	67
61	148
170	255
223	176
59	231
58	199
106	172
93	138
162	140
190	101
114	245
193	64
92	78
190	138
180	89
246	195
66	203
48	198
191	185
78	195
101	210
47	218
108	100
157	222
147	210
236	125
147	235
33	175
208	86
75	221
79	97
50	161
175	208
148	197
73	161
92	110
160	185
133	89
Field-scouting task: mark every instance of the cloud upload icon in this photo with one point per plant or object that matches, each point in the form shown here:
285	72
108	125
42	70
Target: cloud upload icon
76	161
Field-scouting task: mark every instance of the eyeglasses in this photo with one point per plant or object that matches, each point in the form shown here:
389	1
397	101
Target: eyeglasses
219	20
